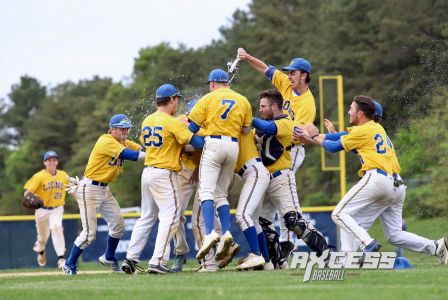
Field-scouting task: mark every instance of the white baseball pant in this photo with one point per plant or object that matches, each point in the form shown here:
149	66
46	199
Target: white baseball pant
216	169
50	220
390	213
92	199
255	183
186	190
198	226
297	158
160	199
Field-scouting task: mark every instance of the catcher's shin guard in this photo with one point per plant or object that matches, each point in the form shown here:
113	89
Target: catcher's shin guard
272	241
306	231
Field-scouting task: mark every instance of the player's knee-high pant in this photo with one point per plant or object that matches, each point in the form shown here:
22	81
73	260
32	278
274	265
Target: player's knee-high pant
92	198
256	181
216	169
160	199
390	214
186	191
50	221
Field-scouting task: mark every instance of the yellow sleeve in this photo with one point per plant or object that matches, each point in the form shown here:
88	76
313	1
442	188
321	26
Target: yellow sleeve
281	81
132	145
181	132
33	183
282	127
197	114
110	146
354	140
248	115
306	112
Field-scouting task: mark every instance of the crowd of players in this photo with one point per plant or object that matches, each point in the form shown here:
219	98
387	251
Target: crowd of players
216	141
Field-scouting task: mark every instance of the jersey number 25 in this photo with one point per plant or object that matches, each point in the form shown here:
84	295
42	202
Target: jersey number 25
152	137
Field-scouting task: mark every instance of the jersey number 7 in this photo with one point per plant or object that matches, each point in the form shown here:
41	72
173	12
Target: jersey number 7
226	102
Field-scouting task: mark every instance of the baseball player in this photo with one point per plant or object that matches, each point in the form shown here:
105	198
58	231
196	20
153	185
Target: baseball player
298	104
93	194
274	135
163	136
255	179
223	114
380	192
49	185
390	213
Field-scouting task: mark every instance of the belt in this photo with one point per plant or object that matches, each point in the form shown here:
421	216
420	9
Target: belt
49	207
247	165
94	182
223	137
379	171
276	174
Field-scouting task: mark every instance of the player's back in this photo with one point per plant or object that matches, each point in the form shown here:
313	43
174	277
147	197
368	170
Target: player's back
164	136
222	112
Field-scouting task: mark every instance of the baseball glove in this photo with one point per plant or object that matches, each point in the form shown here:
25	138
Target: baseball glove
32	201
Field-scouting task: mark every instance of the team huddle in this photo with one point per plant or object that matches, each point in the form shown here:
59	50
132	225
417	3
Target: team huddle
217	141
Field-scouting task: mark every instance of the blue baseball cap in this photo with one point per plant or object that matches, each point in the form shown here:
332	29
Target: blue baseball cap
50	154
298	64
120	121
218	75
402	262
190	105
167	90
378	109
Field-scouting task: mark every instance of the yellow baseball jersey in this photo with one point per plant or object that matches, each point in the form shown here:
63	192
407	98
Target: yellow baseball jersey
164	136
104	163
51	189
285	128
222	112
370	142
300	108
248	150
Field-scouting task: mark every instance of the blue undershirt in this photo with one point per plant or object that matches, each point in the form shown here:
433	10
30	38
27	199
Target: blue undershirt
267	127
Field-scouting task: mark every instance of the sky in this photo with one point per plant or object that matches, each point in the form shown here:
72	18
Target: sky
59	40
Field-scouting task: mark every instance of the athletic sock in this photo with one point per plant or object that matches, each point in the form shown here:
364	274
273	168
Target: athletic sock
263	246
72	260
224	217
208	213
111	246
251	237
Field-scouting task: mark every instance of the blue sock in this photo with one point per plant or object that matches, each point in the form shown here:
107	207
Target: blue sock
251	237
208	213
263	246
111	246
72	260
224	217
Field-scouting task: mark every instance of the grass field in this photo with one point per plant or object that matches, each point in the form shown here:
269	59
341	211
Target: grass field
425	281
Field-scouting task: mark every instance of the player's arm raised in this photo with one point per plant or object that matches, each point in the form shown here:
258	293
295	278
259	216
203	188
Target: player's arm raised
254	62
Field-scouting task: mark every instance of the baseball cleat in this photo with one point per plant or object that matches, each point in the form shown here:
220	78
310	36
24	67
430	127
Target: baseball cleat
61	263
41	259
69	270
284	265
204	269
159	269
130	266
251	261
179	261
268	266
113	264
374	246
442	250
224	245
210	240
234	249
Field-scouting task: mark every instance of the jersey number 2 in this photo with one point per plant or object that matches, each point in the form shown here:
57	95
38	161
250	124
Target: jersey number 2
380	148
231	103
148	132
